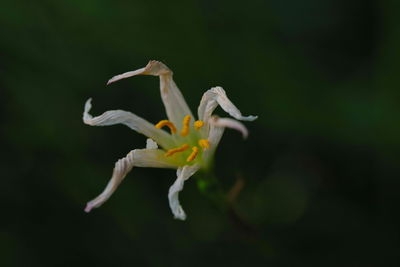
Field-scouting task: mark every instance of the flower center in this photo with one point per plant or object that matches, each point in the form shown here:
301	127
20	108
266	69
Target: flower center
186	139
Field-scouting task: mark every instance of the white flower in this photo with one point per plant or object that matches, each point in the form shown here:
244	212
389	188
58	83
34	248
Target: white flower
187	146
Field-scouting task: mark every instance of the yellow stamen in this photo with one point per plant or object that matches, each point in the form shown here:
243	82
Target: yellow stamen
203	143
198	124
167	123
195	151
176	150
185	127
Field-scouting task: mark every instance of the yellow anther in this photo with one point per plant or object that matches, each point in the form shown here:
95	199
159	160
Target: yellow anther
176	150
193	155
198	124
185	127
167	123
203	143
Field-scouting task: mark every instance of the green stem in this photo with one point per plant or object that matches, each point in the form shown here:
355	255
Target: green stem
211	188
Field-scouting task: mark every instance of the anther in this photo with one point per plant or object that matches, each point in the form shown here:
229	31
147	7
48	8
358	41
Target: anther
198	124
193	155
185	127
203	143
167	123
176	150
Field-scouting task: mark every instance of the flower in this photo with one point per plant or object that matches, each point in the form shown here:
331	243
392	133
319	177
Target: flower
187	147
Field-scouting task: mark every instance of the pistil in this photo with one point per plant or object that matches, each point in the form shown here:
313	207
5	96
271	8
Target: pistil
185	127
167	123
198	124
203	143
193	155
172	151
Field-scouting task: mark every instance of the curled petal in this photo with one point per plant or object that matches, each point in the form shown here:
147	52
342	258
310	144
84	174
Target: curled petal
175	104
217	96
139	158
129	119
154	68
229	123
183	174
121	169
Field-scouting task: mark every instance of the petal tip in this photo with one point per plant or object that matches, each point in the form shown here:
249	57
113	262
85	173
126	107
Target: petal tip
88	208
180	217
88	102
113	79
86	115
250	118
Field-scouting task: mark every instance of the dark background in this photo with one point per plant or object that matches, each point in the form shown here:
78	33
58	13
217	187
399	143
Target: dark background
321	165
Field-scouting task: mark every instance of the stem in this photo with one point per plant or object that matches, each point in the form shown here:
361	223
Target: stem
211	187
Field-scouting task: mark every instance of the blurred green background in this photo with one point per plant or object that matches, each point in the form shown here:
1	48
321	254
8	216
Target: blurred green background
320	167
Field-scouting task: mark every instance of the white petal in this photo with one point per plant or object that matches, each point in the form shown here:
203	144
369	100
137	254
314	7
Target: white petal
183	174
229	123
217	96
153	158
214	137
139	158
121	169
129	119
127	75
175	104
150	144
